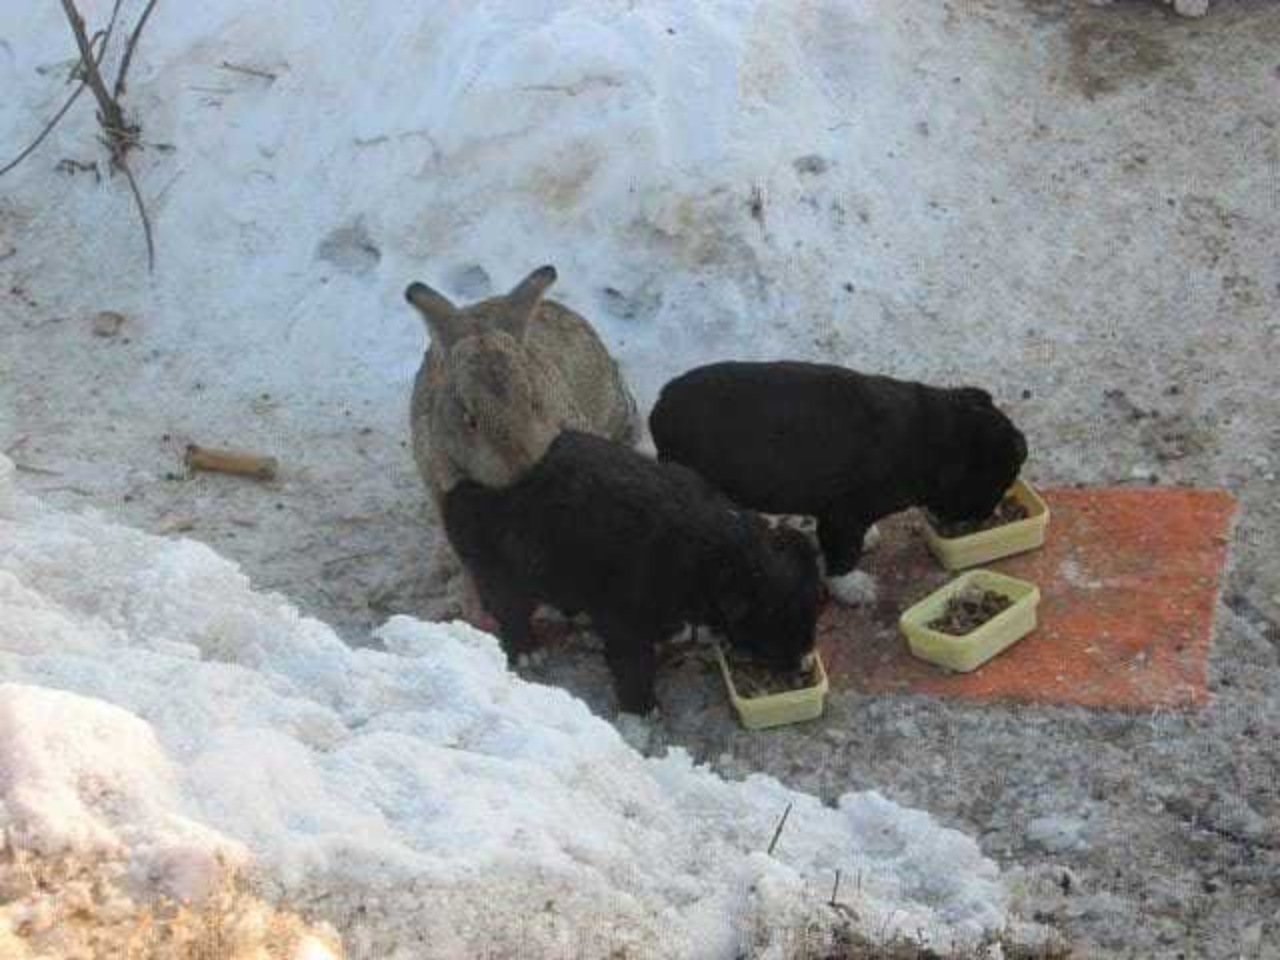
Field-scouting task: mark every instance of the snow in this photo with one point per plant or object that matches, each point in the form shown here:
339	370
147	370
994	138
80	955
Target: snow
943	193
699	173
85	775
154	705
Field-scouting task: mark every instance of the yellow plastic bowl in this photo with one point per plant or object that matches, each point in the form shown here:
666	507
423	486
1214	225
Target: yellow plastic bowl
968	652
777	709
957	553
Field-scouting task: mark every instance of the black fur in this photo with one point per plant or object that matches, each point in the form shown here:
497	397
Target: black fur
845	447
642	548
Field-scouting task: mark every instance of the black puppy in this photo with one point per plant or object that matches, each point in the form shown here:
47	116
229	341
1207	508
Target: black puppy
845	447
642	548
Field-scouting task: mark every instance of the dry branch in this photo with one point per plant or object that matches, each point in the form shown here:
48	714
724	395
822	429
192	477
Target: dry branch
31	148
119	136
142	212
110	116
778	832
118	90
251	71
102	35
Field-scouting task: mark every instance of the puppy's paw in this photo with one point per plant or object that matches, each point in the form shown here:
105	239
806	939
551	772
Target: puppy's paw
638	731
854	589
548	614
481	621
531	659
871	539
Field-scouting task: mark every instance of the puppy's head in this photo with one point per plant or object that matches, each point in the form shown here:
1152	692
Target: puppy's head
982	454
769	595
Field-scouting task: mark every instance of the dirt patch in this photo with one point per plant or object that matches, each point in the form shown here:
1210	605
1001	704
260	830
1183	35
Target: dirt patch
1107	57
968	610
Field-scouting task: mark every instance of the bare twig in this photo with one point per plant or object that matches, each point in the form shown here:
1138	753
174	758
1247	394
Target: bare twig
31	148
121	137
350	556
835	889
251	71
101	35
129	47
142	212
778	832
111	26
30	468
109	113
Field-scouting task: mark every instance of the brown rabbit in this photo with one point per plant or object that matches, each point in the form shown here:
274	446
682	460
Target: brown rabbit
502	378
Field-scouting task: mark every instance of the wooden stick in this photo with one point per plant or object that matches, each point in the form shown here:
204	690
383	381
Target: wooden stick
239	462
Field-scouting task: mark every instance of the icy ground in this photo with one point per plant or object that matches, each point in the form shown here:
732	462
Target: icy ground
1056	200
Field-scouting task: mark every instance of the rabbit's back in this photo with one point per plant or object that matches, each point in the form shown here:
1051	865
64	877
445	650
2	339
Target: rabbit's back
567	342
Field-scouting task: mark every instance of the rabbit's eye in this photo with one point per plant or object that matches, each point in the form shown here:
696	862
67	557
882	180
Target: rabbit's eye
470	420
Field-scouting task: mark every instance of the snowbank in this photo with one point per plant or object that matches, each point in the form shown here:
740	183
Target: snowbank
743	177
155	708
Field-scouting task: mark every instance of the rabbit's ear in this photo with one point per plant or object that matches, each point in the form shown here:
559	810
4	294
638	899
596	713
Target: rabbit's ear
524	298
444	321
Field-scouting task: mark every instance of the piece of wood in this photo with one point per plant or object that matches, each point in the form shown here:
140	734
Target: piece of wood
239	462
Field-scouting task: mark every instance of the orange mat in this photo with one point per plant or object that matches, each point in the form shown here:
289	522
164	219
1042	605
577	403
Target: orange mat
1128	577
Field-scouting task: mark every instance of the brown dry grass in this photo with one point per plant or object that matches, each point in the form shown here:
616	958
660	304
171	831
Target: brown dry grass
71	906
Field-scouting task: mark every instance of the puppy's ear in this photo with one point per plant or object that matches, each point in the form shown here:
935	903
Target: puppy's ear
735	578
975	397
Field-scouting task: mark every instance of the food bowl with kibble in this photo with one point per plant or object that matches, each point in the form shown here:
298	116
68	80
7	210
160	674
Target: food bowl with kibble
1018	525
970	620
763	699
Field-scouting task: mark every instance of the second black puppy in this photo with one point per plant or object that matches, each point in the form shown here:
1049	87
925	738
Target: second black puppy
845	447
642	548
